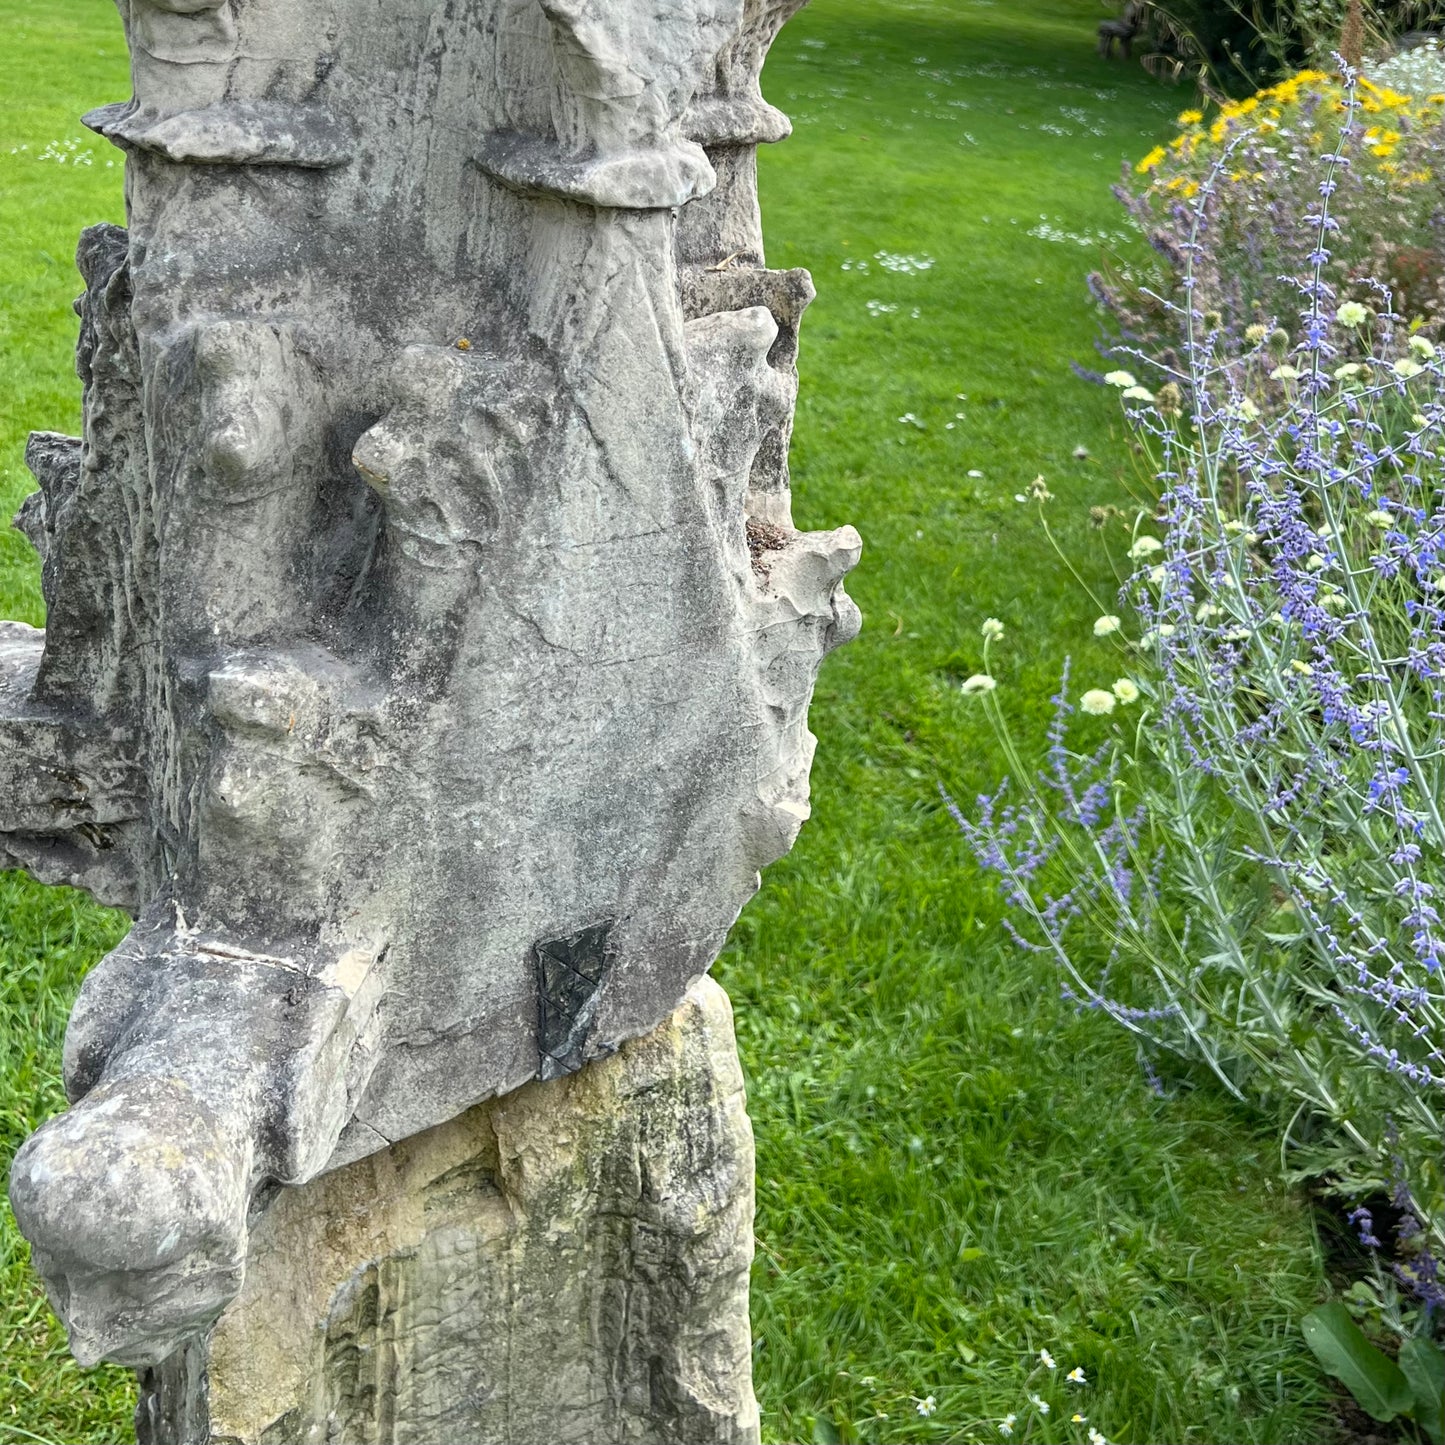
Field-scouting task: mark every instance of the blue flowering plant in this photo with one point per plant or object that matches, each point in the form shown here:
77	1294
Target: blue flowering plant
1251	874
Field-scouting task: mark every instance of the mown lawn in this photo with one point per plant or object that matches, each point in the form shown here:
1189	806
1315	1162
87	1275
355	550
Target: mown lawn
955	1169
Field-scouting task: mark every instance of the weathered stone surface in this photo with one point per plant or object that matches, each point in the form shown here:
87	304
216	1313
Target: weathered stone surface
72	788
429	644
568	1263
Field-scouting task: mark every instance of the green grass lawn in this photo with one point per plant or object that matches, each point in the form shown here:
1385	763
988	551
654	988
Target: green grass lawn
955	1170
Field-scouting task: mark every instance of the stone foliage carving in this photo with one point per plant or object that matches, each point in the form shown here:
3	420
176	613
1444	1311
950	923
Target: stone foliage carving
429	645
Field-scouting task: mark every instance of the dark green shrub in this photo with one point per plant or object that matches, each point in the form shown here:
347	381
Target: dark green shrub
1237	45
1218	43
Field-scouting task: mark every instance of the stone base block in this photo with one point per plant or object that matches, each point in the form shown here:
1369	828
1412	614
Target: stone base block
567	1263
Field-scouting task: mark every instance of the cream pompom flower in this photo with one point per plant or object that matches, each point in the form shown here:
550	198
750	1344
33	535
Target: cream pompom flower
1097	702
980	682
1405	368
1127	692
992	629
1119	378
1144	547
1351	314
1105	625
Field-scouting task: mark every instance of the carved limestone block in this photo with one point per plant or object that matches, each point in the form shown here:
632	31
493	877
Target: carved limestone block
567	1263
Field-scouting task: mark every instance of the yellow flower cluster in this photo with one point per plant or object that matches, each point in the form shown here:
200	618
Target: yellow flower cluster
1270	109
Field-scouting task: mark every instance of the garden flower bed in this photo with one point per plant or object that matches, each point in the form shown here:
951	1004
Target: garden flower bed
1247	876
976	1198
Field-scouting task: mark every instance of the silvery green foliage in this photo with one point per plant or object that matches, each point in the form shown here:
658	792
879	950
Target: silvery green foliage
1255	876
1417	71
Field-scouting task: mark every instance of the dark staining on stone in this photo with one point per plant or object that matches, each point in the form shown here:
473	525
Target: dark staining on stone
174	1405
570	975
55	462
764	537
